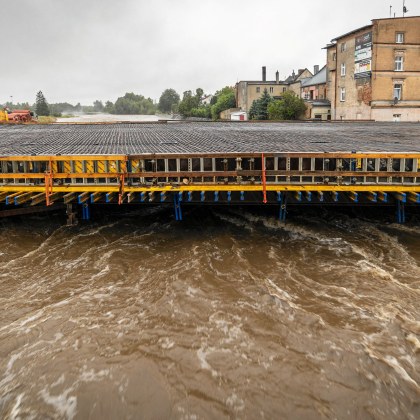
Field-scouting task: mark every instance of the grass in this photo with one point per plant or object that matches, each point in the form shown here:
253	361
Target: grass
46	120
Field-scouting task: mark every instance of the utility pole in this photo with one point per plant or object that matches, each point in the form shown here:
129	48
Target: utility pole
404	8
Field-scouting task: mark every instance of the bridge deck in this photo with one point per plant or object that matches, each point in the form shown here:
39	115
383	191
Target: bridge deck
208	138
277	163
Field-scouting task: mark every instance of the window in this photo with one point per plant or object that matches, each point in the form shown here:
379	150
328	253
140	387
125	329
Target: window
399	63
271	89
399	37
343	47
398	91
343	69
342	94
258	89
284	89
334	56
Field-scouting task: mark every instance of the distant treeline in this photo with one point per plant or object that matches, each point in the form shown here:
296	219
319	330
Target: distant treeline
192	104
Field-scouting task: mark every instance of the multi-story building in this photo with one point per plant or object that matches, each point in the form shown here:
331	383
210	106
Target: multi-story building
248	91
373	72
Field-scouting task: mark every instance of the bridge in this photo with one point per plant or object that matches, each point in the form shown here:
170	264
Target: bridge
180	163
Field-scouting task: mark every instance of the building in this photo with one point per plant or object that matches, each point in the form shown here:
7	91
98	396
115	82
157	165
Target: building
206	99
373	72
248	91
315	87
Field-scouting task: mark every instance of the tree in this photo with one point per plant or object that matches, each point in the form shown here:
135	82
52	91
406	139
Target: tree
98	106
134	104
167	100
225	99
259	107
289	107
41	108
109	107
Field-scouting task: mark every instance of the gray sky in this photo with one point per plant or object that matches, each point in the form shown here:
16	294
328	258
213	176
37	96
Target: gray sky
82	50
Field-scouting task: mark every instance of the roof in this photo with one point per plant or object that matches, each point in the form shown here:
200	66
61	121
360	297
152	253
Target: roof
293	78
398	17
260	82
351	32
319	79
206	137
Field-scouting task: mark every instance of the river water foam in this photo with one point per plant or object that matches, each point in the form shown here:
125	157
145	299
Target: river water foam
229	314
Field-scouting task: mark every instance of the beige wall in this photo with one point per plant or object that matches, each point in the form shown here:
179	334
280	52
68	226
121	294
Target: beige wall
366	97
318	91
247	92
356	104
384	74
311	111
387	114
331	69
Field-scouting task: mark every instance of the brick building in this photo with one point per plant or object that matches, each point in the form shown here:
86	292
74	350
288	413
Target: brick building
373	72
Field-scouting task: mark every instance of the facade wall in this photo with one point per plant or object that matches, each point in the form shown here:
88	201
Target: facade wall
355	105
331	70
314	92
385	76
247	92
400	114
314	111
372	97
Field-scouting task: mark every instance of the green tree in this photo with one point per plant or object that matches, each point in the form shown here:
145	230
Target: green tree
98	106
253	110
225	99
167	100
42	108
203	111
132	104
289	107
190	102
109	107
259	107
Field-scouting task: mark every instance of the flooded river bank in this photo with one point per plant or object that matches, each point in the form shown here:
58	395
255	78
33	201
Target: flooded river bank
229	314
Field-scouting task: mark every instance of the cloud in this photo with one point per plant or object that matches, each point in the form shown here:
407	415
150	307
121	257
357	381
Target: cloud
79	51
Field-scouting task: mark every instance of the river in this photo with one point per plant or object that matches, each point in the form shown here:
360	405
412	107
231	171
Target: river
228	314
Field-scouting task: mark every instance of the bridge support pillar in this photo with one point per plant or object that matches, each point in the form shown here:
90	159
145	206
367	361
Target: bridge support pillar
282	198
177	207
400	212
85	211
71	213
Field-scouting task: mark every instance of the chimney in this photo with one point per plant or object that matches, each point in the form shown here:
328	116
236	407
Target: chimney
277	77
264	74
316	69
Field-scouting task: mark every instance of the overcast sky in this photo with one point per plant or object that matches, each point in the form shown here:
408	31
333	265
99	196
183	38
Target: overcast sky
82	50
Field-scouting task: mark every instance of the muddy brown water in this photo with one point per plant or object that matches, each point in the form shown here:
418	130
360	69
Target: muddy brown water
228	314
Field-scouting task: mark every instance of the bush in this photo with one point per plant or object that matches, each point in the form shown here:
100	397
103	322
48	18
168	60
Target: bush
289	107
